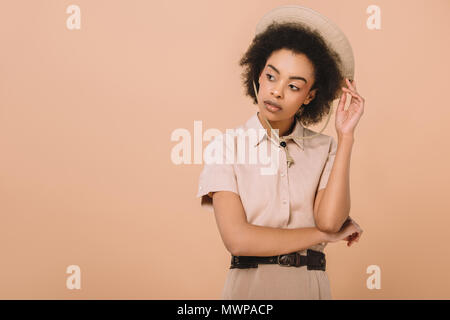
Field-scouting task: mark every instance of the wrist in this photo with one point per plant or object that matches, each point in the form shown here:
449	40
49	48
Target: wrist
326	236
346	137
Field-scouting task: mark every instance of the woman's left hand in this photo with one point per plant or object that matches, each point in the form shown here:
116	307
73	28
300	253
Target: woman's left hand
346	120
355	236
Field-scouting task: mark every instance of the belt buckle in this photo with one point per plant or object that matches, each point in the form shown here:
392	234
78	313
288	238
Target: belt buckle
290	257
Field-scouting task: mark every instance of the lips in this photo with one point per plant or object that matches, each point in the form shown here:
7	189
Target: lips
272	104
271	107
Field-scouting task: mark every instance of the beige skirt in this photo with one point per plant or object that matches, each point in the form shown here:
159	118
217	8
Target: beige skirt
272	282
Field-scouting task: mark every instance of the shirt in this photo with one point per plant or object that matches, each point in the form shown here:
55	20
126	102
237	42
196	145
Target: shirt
282	197
285	199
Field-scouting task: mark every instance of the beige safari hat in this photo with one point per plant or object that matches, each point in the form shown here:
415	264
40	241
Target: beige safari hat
330	32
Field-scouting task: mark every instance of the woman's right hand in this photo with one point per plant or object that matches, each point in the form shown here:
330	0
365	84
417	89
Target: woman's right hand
350	231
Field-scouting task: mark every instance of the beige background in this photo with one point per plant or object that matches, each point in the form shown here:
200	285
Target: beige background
86	118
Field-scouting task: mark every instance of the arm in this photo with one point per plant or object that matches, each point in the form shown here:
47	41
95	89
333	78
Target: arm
332	204
244	239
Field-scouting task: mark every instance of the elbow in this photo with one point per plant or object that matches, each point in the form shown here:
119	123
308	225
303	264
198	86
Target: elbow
328	227
234	246
234	252
238	240
239	247
334	228
329	224
234	249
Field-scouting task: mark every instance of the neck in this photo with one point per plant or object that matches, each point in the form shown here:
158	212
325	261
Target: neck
285	126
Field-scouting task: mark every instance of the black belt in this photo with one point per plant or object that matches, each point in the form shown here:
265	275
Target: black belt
314	260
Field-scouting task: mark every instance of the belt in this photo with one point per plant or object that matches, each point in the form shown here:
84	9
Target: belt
314	260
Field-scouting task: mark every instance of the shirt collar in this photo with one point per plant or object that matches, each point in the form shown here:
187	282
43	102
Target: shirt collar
296	134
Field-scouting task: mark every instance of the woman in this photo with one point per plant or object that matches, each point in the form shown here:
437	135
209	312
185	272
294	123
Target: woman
286	218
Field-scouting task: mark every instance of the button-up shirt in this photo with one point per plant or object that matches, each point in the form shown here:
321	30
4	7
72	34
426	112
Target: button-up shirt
271	195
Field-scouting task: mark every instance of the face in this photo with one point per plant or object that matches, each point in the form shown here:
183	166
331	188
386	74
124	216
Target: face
285	82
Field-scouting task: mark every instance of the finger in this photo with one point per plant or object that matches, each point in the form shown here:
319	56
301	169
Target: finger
356	107
353	235
342	100
350	237
354	94
351	90
351	83
353	240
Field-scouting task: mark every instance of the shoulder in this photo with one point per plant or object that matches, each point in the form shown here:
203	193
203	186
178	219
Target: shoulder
319	139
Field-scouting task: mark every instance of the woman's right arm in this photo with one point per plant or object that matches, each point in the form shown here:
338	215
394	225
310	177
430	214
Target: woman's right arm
244	239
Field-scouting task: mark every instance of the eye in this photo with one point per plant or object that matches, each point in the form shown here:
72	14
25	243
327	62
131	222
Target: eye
294	88
268	75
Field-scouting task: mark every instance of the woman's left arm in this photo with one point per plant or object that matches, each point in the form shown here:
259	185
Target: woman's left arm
333	204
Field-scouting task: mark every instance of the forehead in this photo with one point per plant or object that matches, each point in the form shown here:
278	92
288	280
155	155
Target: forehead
289	63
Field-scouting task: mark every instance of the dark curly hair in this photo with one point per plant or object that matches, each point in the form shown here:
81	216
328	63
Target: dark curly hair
301	40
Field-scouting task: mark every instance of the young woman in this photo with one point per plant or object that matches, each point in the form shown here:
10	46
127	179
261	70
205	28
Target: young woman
276	225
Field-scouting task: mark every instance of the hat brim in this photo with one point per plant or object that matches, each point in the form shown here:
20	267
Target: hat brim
330	32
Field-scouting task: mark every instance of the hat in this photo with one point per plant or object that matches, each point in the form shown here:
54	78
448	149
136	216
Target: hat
333	36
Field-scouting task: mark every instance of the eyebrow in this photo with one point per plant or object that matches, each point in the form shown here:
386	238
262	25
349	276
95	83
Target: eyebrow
293	77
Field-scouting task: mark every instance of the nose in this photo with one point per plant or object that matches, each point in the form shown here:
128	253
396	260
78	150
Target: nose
277	90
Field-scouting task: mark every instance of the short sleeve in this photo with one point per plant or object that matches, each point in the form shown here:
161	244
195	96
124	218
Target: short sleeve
328	164
217	174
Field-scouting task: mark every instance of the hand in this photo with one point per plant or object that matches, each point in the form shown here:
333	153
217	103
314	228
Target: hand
350	231
346	120
354	237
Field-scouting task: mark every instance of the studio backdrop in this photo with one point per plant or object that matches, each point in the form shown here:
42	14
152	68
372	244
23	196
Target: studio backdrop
106	108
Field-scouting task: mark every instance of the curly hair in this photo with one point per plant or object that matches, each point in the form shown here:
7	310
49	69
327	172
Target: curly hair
300	39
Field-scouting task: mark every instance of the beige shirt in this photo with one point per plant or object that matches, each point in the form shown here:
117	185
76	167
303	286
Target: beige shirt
272	195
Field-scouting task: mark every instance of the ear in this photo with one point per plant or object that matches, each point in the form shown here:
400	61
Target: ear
310	97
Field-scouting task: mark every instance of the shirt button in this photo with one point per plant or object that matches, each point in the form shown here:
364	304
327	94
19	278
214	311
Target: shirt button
283	174
284	201
200	188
